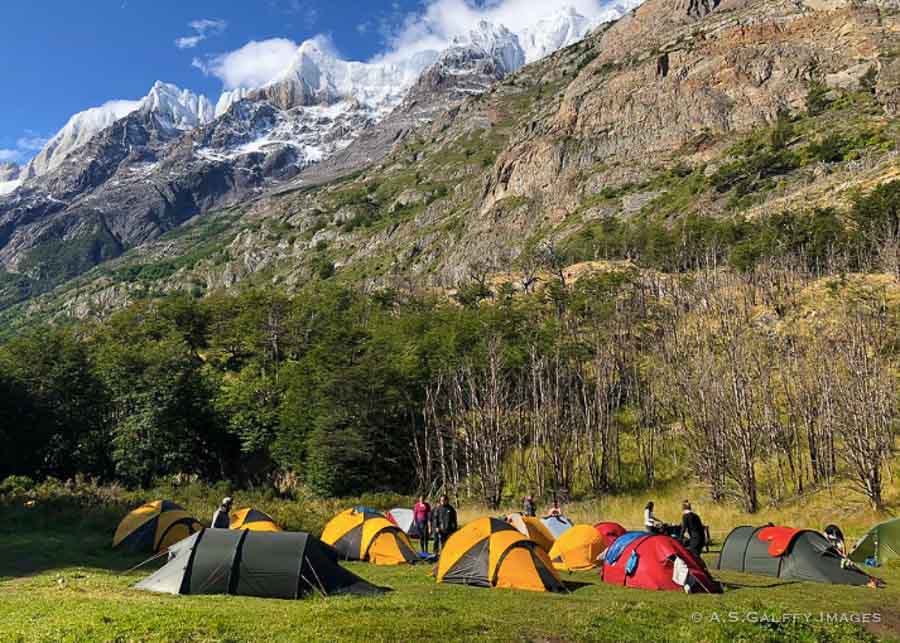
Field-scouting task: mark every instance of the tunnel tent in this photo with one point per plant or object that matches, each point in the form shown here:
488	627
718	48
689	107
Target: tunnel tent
609	531
253	519
880	544
556	525
790	554
578	549
645	560
492	553
532	528
154	527
254	563
361	533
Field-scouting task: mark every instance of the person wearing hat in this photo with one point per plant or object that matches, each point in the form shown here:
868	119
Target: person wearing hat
222	517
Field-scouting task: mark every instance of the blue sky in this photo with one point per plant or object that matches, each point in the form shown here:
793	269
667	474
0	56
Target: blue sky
63	56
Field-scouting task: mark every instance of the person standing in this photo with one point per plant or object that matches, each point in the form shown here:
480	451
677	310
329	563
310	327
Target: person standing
555	511
222	517
444	519
651	524
692	532
422	518
529	508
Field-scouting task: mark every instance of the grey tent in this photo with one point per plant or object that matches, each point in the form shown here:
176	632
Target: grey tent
254	563
794	554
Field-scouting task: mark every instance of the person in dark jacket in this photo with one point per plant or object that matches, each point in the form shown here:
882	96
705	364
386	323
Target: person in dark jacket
222	517
444	519
692	532
529	508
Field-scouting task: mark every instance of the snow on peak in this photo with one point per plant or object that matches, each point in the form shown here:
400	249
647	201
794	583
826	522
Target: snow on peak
77	131
178	108
229	98
328	79
555	32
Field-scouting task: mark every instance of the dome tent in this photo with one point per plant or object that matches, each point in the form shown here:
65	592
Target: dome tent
644	560
252	519
491	553
556	525
365	534
782	552
254	563
579	548
533	528
881	543
609	531
405	519
154	527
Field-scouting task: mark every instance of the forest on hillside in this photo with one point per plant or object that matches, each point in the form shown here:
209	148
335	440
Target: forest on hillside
759	357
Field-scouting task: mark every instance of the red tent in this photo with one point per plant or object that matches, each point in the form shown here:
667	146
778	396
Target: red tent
649	562
610	531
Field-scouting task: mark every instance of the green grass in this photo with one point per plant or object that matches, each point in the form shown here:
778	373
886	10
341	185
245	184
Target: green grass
60	581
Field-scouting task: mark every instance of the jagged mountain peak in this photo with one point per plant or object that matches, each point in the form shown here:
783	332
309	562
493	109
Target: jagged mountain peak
178	108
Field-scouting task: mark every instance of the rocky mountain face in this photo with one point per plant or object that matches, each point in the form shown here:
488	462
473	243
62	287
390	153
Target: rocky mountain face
638	122
118	176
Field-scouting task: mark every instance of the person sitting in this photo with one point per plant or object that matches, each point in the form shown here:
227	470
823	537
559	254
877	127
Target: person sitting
836	538
692	532
650	522
222	517
555	511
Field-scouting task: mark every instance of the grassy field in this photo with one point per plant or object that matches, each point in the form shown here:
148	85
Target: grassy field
59	581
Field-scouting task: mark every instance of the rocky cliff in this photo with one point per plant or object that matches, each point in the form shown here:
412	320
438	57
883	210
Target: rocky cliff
639	122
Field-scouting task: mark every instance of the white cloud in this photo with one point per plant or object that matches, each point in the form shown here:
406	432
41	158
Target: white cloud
253	65
203	29
31	142
434	26
26	146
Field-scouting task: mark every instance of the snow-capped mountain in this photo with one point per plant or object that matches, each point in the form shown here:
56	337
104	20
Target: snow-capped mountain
81	128
124	173
176	108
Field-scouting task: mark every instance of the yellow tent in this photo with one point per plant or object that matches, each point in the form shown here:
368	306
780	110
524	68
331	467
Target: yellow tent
155	526
578	548
492	553
532	528
253	519
364	534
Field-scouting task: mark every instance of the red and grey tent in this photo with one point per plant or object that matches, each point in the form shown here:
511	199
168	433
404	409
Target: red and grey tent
610	531
783	552
653	561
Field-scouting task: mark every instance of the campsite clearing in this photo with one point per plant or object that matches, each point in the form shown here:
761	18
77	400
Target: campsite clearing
69	586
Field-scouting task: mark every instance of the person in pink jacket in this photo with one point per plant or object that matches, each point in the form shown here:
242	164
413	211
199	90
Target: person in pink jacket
422	518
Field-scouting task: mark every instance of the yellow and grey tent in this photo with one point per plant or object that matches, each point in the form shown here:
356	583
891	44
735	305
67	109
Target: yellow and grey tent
253	519
365	534
155	526
577	549
533	528
492	553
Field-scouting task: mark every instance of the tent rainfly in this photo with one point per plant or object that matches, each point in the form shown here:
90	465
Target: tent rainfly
254	563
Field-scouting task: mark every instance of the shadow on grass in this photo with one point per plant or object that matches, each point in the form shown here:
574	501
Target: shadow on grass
54	536
740	586
574	586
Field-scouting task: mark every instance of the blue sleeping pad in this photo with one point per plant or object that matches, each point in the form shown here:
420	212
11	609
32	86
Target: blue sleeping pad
620	543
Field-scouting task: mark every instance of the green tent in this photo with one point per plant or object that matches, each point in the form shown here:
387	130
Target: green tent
254	563
881	543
